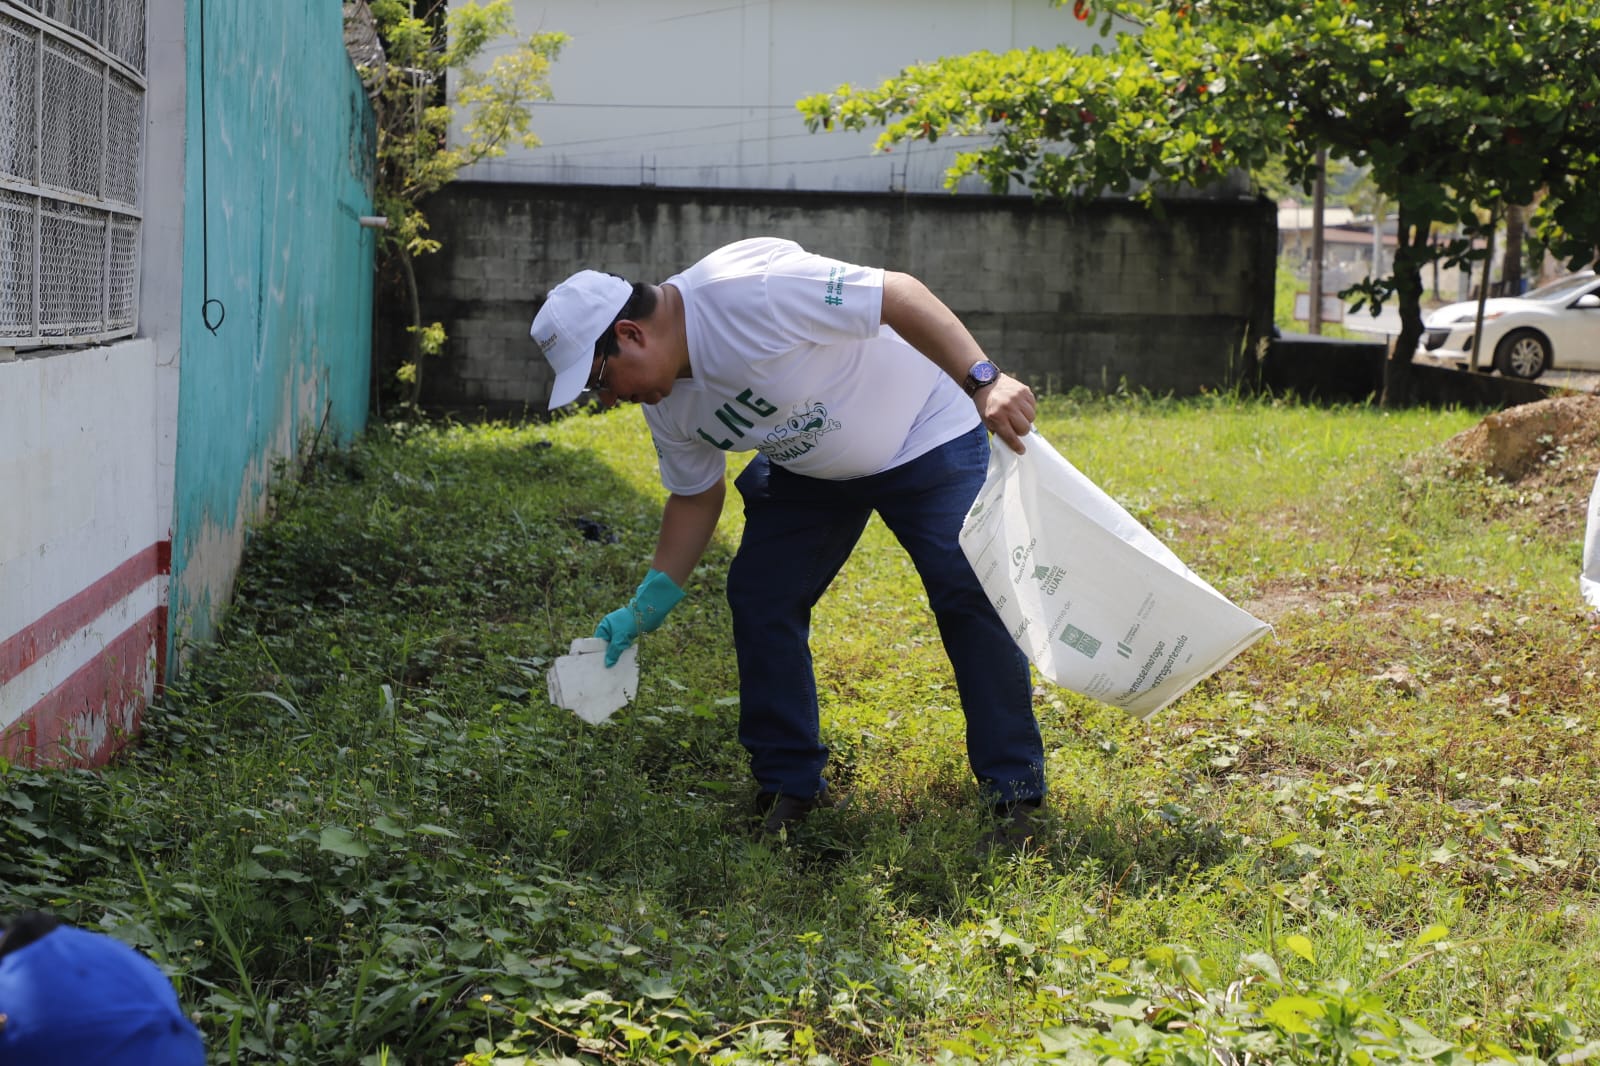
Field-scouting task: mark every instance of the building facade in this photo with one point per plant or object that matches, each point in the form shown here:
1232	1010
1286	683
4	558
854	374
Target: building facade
184	298
672	93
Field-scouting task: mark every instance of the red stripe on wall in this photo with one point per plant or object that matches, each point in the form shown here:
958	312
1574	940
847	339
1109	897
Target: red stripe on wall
33	642
88	717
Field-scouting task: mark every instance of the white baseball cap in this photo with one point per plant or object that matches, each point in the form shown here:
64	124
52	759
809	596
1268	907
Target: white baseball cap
573	317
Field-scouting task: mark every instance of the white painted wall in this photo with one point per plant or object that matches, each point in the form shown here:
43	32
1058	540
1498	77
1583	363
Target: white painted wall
161	249
79	455
701	93
87	444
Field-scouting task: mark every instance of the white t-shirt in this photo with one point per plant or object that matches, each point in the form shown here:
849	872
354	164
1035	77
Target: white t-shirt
787	356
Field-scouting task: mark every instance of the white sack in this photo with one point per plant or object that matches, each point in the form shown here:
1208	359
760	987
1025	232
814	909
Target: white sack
1589	580
1099	605
582	683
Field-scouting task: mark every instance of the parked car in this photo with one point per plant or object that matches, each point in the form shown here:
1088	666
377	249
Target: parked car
1523	336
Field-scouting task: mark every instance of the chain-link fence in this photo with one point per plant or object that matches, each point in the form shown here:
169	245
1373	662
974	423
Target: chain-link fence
72	89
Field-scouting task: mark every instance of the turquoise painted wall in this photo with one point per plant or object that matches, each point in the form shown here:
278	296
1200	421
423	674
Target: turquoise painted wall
275	181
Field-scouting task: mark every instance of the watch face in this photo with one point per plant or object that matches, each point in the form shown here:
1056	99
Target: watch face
980	374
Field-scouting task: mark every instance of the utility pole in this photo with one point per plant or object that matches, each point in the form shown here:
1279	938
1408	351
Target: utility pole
1483	294
1318	197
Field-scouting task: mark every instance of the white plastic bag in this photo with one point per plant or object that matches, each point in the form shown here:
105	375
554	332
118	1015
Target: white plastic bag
1589	580
582	683
1100	606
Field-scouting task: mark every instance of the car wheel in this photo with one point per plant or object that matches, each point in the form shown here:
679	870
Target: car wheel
1522	353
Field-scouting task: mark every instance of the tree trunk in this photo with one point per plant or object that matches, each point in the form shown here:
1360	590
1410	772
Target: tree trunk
1377	237
1410	253
1435	276
413	394
1511	264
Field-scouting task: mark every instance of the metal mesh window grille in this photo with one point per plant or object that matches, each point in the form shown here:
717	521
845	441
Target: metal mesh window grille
72	88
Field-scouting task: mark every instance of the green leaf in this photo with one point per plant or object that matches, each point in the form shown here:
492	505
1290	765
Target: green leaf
1011	940
1268	965
1062	1039
657	988
26	826
1301	947
280	701
1289	1013
1127	1006
341	841
1432	933
388	826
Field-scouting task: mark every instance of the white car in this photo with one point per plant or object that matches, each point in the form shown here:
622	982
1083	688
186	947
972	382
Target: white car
1523	336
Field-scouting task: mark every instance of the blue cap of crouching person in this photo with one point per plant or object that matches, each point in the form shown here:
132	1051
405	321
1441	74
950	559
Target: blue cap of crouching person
572	318
71	996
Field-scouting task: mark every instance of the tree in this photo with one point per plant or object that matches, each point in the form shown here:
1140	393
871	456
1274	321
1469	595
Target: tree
1511	260
414	155
1451	104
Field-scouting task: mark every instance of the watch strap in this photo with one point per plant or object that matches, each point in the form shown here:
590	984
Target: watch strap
971	383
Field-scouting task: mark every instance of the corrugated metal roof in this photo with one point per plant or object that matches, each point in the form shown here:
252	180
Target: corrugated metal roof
362	42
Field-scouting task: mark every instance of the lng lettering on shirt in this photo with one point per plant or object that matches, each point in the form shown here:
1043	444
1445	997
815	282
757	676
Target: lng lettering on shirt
788	357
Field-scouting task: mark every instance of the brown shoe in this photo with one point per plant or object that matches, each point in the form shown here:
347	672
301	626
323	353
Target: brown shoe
781	814
1014	827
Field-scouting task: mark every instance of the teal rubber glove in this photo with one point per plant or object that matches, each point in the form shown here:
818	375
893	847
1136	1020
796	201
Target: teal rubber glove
657	594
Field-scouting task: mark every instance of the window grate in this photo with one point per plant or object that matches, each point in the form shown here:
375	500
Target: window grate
72	98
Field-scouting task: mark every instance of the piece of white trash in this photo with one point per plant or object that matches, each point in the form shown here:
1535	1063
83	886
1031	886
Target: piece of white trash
582	683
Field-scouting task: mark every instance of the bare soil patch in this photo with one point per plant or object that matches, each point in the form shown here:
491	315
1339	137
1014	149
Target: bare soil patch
1353	594
1549	450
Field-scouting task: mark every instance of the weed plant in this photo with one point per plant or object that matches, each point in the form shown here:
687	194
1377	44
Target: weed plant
356	831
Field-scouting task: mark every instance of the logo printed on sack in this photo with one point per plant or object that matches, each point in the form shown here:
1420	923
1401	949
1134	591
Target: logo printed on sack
1019	558
1049	578
1079	641
1125	645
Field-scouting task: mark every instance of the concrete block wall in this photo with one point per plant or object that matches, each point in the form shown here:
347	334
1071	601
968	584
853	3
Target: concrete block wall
1098	296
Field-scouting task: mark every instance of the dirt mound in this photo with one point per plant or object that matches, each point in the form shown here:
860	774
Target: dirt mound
1515	443
1549	450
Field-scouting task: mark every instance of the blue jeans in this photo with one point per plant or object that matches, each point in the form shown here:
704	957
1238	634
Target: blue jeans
798	532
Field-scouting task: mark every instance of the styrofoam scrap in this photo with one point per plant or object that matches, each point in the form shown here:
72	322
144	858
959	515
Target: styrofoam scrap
582	683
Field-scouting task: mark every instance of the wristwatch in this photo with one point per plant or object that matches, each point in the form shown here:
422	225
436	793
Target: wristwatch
980	374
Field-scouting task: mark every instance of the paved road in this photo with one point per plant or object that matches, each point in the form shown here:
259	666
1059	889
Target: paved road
1579	380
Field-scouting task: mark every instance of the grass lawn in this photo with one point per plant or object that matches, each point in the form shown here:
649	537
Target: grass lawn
357	832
